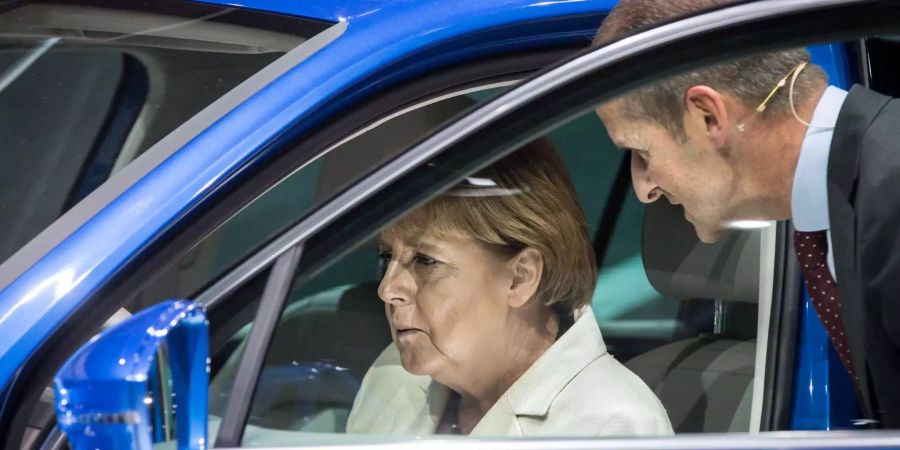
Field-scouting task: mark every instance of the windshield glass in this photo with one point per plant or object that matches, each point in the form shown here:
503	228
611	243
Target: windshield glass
87	86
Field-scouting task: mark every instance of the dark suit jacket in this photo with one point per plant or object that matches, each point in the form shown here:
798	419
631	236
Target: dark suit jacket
864	209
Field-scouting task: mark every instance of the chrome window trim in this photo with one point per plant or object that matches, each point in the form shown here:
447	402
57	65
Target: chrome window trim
417	106
491	111
235	278
73	219
768	246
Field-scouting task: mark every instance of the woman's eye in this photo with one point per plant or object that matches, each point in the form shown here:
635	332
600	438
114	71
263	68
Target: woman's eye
425	260
385	255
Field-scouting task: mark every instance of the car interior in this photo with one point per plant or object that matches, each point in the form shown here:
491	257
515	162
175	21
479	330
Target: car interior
112	83
679	313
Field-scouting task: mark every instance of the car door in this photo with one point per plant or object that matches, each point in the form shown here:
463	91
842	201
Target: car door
316	244
326	240
347	148
519	44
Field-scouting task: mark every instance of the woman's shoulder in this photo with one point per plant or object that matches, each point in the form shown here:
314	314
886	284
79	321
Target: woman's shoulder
610	398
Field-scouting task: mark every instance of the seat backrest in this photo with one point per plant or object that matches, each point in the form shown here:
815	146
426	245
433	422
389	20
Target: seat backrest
705	382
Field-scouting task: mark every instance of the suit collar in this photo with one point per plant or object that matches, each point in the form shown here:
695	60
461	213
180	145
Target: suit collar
857	114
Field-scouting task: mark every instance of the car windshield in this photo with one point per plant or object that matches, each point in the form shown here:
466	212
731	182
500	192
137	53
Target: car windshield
86	87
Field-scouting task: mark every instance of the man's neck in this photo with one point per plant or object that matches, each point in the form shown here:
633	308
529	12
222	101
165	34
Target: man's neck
780	139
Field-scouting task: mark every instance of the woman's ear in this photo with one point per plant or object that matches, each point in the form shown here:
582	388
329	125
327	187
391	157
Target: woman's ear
527	268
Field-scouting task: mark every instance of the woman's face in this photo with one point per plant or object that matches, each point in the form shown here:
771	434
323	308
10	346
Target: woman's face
445	299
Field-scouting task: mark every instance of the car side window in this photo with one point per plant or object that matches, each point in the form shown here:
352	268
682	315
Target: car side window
310	185
694	348
108	81
881	64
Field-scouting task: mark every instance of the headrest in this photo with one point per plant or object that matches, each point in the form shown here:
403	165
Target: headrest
680	266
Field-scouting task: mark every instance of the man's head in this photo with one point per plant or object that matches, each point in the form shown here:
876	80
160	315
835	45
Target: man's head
696	137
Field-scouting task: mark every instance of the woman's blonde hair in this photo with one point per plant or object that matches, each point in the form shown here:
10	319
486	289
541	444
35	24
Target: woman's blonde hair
524	200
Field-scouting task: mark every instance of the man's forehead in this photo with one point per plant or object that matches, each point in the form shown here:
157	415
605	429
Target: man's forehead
617	128
610	111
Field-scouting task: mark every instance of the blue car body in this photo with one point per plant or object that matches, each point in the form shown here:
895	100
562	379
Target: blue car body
380	43
378	34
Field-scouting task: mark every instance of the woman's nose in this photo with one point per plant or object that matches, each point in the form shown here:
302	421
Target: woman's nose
395	286
647	191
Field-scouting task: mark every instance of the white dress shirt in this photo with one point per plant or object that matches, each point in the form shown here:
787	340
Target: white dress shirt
809	193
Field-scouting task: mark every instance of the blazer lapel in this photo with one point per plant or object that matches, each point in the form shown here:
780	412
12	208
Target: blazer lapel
421	416
533	393
858	111
500	420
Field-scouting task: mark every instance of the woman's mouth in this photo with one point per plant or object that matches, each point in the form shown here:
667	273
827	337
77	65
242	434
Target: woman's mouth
407	332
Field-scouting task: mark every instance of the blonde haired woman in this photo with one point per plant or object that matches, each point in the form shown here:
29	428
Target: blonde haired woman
486	290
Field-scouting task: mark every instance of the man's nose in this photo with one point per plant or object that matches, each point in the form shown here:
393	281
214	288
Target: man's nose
395	286
647	191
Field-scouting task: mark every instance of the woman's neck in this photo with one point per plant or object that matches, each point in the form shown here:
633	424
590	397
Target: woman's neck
484	383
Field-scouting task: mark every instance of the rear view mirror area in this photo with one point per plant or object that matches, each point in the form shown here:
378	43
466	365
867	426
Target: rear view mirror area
141	384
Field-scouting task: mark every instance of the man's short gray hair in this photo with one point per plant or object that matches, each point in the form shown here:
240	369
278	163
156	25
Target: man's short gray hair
748	79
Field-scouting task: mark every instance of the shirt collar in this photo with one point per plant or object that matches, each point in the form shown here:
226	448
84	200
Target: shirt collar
809	193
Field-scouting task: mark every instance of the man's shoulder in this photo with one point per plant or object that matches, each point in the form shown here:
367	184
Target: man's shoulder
864	144
875	127
862	109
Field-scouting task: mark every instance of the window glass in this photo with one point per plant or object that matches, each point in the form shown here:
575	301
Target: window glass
87	86
231	320
882	64
330	367
298	193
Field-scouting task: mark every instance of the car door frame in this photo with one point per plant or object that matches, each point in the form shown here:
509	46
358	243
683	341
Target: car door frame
503	69
379	46
570	88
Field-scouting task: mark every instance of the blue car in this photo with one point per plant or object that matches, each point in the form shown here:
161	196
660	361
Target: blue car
202	184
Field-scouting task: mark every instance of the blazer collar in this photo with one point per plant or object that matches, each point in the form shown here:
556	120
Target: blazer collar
534	391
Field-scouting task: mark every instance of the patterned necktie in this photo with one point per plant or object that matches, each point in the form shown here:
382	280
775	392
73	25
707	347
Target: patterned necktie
812	252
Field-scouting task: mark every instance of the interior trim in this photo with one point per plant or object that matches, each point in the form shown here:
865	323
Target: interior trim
73	219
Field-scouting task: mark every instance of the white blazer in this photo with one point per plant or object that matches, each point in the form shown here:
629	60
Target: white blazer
575	388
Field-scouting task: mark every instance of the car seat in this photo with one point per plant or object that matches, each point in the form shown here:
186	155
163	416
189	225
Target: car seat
705	382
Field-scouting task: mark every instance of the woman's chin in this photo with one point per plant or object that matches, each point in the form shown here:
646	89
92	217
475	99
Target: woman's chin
417	364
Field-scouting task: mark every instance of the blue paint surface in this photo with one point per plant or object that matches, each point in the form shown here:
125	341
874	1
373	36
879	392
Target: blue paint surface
115	375
384	43
823	393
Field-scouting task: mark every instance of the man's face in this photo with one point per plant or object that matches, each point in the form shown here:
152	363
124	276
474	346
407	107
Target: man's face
695	173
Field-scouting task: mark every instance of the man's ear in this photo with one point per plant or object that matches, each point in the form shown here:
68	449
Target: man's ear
527	268
707	112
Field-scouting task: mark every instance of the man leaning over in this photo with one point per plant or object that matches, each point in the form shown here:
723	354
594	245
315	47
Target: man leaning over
766	138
